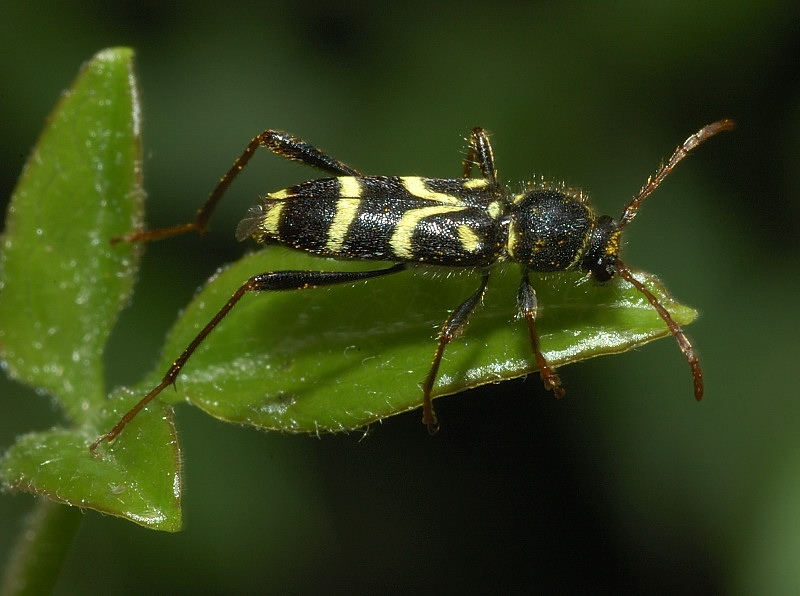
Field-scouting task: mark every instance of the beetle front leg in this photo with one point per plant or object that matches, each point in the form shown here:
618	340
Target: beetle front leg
528	306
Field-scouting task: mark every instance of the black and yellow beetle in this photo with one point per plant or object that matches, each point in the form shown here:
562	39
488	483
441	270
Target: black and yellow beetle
461	222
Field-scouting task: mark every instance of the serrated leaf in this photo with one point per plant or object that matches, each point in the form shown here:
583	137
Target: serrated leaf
338	358
61	283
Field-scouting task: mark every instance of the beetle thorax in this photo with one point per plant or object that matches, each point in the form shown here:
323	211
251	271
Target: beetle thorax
550	230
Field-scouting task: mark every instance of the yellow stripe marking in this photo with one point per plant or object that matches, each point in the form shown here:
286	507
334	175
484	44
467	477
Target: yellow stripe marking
475	183
470	241
512	239
579	253
278	195
401	238
416	186
350	189
271	221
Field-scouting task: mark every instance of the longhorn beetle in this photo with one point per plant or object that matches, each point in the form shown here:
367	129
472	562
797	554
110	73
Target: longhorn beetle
461	222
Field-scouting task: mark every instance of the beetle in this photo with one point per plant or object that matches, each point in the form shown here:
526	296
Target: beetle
467	222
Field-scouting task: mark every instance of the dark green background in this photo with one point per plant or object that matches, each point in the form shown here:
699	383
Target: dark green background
626	484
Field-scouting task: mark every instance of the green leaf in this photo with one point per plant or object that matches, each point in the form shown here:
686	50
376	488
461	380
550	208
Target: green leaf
335	359
61	288
139	480
61	283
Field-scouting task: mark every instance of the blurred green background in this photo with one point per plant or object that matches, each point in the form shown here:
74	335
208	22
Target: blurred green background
627	484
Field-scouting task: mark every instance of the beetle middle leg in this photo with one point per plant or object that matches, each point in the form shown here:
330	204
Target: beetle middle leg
451	329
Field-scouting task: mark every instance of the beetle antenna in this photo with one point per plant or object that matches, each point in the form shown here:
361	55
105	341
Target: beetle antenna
683	342
652	183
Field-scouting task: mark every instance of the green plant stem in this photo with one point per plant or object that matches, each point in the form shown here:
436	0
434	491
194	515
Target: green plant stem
41	548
